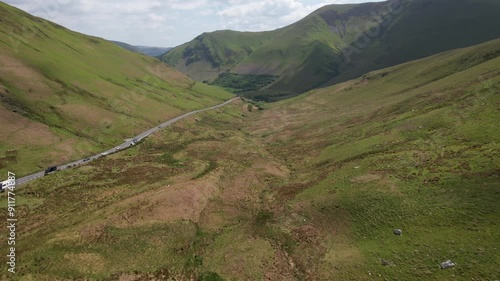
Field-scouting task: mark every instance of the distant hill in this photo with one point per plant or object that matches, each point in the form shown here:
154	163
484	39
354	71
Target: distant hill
126	46
339	42
146	50
153	51
64	95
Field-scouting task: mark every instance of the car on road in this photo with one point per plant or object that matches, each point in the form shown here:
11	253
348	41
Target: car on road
104	153
4	185
50	170
86	159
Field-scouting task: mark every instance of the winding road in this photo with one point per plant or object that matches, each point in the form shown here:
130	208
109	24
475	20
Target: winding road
128	143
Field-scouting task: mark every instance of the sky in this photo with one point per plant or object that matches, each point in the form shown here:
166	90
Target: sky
169	23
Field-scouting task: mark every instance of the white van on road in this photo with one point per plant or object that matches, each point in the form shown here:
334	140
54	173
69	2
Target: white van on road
4	185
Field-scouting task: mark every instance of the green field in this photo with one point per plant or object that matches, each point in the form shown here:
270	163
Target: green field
310	188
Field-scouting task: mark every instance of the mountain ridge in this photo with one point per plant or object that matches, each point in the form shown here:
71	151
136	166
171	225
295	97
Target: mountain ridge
338	42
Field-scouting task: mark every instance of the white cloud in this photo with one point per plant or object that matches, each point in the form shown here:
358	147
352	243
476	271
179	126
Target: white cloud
136	6
241	10
264	14
187	4
169	22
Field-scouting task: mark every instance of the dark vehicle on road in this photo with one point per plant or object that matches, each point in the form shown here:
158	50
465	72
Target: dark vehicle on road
50	170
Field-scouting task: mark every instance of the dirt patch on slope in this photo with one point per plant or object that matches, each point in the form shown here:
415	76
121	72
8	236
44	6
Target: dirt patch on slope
19	130
181	201
366	178
87	263
30	81
273	169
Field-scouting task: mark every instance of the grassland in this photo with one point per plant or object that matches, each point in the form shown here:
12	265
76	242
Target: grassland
411	147
338	42
309	188
79	94
177	198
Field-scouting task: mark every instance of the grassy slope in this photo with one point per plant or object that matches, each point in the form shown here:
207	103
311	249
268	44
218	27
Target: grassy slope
212	53
310	188
412	147
79	94
310	52
143	210
424	28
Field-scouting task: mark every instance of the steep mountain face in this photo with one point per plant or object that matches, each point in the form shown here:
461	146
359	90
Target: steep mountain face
212	53
339	42
418	29
78	94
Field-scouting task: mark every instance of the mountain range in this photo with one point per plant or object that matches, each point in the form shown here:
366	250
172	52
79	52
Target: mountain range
336	43
317	186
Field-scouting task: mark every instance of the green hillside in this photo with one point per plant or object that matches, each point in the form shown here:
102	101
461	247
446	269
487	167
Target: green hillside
65	95
310	188
411	147
339	42
424	28
212	53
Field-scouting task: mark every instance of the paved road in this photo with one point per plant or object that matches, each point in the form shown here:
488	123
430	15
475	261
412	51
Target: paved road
125	145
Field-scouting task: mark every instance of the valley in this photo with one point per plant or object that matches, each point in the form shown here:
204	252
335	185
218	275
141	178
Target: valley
289	198
266	155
